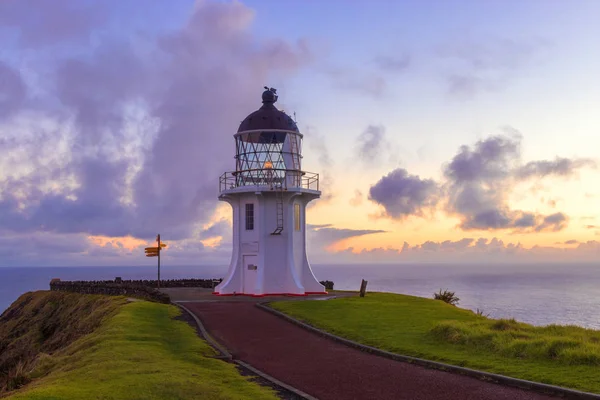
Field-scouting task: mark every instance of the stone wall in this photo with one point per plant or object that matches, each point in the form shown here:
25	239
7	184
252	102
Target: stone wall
143	289
172	283
110	288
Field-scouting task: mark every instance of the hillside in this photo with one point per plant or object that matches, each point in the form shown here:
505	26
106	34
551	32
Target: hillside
72	346
41	323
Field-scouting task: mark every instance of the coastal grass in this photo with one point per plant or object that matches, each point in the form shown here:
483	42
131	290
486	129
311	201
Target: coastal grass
44	322
141	352
567	356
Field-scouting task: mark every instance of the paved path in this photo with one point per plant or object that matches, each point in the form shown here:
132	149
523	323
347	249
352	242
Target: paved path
329	370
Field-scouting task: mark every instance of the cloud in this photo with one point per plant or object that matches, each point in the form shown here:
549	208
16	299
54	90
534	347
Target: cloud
370	144
402	195
324	236
564	167
393	64
372	147
219	228
357	200
489	64
318	146
13	91
368	84
476	187
479	181
467	250
40	25
116	141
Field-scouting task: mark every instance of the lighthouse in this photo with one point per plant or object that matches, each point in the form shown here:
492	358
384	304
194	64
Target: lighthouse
268	193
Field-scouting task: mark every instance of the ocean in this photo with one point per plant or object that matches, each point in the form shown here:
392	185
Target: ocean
534	293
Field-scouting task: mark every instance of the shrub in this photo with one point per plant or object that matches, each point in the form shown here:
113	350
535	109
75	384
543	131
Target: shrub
505	325
480	313
450	331
447	297
328	285
17	377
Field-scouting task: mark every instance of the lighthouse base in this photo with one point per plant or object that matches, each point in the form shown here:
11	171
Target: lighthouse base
250	278
263	263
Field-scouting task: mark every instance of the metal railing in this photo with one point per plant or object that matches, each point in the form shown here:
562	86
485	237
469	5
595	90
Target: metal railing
269	177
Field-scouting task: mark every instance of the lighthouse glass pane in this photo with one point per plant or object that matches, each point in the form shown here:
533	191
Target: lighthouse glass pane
263	158
249	217
297	216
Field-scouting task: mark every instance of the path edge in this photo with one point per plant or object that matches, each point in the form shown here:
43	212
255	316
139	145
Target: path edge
227	356
481	375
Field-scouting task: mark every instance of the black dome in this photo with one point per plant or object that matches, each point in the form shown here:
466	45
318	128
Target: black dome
268	116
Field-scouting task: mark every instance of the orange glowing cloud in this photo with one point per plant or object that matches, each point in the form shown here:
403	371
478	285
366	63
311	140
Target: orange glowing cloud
126	242
212	242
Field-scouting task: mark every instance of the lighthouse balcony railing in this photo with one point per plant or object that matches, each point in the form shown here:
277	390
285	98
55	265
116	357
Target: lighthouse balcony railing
270	178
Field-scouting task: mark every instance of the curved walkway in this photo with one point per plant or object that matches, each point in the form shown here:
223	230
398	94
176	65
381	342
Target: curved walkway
329	370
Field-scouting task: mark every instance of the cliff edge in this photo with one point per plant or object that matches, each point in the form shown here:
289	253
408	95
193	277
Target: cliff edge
40	323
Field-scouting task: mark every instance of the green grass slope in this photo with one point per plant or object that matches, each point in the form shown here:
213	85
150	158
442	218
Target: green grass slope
39	323
138	352
567	356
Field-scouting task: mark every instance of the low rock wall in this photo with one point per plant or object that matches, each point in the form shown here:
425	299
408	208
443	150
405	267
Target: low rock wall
110	288
143	289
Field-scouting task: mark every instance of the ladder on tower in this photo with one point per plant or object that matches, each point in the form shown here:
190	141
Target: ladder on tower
279	208
295	159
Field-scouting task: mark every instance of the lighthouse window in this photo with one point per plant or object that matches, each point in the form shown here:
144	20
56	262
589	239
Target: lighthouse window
297	216
249	217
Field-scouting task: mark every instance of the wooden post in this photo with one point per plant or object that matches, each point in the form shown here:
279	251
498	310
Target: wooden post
158	240
363	288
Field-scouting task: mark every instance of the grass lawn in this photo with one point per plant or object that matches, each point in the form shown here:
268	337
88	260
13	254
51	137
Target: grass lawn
141	352
566	356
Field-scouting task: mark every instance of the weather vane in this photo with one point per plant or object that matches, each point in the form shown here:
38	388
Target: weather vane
271	89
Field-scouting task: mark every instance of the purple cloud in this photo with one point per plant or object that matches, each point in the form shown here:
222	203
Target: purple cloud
323	236
12	90
128	139
371	143
41	24
402	194
317	144
558	167
393	64
479	181
468	250
477	184
369	84
473	67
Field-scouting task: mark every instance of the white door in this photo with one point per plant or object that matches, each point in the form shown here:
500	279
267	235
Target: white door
250	274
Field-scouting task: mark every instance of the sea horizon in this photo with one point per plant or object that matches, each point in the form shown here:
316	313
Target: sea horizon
535	293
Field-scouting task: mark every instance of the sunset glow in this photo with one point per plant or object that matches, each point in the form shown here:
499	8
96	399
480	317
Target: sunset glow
442	144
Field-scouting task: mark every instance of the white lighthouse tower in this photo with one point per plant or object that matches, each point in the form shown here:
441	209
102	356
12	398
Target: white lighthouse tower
268	193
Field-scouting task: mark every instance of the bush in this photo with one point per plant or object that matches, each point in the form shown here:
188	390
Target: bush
17	377
480	313
447	297
328	285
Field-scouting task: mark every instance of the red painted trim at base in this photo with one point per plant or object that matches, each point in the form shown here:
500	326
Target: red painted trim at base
267	294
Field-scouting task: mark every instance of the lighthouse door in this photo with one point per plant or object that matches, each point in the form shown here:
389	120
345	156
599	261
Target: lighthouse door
250	274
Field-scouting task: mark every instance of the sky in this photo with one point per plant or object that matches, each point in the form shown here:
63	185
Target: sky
442	131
